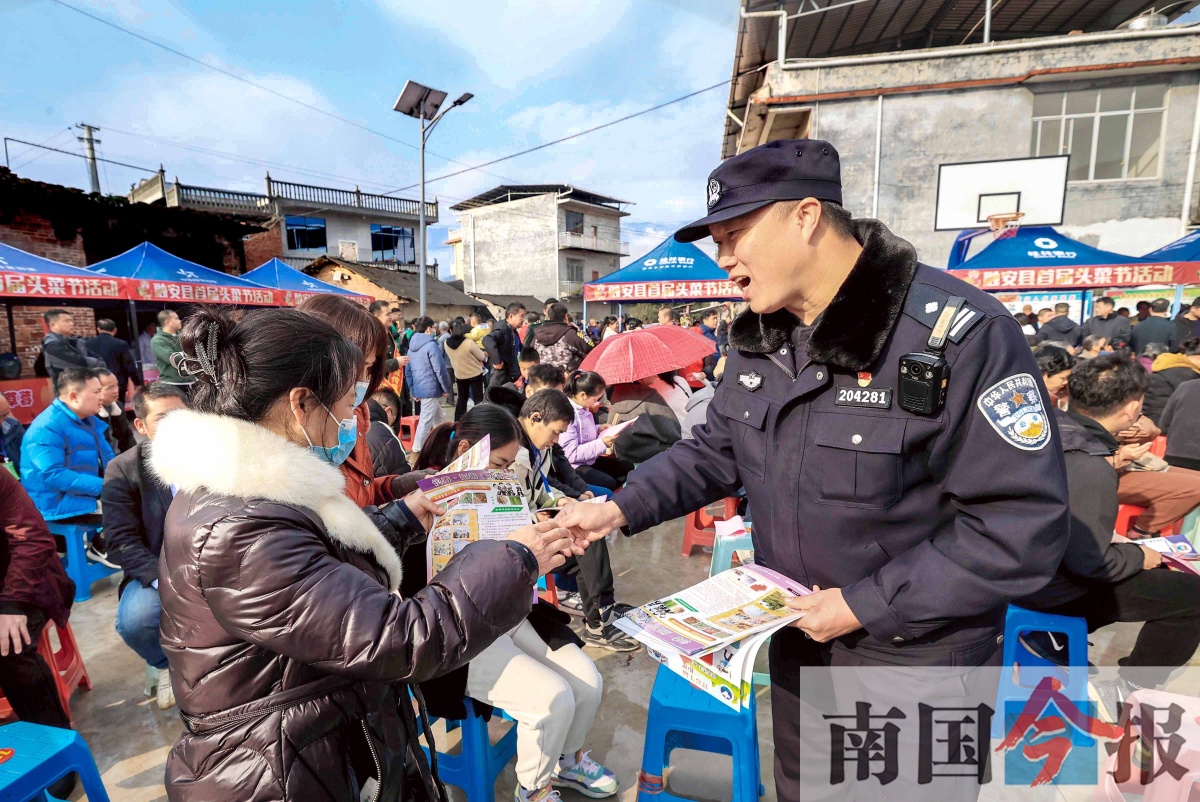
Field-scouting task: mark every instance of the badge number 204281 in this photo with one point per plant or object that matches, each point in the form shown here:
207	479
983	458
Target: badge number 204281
874	398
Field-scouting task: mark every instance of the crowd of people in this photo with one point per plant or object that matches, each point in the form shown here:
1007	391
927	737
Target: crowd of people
286	422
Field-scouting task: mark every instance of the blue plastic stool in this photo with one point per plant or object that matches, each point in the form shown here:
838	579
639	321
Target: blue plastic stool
723	549
81	570
681	717
478	762
41	757
1032	667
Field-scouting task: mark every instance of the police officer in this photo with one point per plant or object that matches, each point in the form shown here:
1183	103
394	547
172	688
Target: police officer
888	423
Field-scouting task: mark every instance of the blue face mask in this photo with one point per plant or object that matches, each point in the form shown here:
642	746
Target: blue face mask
347	437
360	392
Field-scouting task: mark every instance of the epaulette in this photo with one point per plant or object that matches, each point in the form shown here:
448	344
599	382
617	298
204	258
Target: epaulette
924	304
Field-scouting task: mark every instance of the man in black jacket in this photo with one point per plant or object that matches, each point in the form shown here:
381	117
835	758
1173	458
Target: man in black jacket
387	453
1167	372
1104	581
1187	325
116	355
60	350
503	346
1108	324
1061	328
134	504
1155	329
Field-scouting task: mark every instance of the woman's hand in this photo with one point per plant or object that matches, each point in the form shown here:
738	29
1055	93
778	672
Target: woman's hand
550	544
425	510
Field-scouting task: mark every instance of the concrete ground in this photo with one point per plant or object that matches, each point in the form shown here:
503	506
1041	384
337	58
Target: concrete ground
130	736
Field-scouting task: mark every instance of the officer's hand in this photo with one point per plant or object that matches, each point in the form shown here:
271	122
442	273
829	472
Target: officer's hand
591	521
1150	558
826	614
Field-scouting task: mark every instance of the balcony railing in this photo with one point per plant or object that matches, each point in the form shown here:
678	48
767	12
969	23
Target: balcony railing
219	200
587	242
326	196
566	288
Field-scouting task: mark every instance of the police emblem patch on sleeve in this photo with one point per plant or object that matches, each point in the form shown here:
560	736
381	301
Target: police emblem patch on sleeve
1013	407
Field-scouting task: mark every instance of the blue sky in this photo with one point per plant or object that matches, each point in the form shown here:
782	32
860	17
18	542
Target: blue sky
538	70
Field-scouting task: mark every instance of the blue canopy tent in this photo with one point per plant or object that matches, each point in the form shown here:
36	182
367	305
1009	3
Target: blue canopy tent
1039	258
160	276
1185	249
298	286
25	275
674	271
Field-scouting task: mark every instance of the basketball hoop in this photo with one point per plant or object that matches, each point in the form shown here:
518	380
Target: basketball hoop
1004	225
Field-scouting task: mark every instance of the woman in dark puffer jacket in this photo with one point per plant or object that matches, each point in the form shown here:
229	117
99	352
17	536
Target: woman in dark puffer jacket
290	649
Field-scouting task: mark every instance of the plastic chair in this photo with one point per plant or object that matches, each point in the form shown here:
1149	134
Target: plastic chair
698	529
408	430
41	756
478	762
547	589
1128	513
1022	669
81	570
1159	447
681	717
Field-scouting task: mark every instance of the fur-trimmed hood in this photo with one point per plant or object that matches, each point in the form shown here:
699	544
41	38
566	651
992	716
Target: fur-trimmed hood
853	329
232	457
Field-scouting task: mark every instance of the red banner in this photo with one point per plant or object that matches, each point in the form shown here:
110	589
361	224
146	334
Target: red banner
204	293
633	292
1035	278
294	298
40	285
27	397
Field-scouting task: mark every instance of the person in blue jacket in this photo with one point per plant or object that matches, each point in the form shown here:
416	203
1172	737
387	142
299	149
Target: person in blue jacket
65	452
427	376
915	506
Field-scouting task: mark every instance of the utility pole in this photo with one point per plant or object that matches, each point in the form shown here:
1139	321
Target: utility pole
89	145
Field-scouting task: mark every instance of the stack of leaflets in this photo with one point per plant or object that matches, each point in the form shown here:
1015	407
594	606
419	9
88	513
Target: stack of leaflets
1177	551
481	504
710	633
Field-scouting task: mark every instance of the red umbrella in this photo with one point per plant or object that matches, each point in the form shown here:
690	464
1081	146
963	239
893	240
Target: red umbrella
634	355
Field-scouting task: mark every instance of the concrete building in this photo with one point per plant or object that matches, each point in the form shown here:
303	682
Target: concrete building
304	221
537	239
901	88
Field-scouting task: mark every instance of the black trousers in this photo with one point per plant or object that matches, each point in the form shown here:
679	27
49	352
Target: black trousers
593	573
27	681
467	387
607	472
1169	603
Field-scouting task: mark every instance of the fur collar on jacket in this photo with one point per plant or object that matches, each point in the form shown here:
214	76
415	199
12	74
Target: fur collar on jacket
852	330
233	457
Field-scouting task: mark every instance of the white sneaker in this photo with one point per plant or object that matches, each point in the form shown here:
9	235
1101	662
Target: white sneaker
151	680
547	794
166	696
586	777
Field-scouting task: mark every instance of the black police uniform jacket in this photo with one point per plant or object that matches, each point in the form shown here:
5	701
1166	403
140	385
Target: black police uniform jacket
928	524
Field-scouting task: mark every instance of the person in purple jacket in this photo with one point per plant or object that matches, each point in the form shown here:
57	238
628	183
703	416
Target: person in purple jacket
586	445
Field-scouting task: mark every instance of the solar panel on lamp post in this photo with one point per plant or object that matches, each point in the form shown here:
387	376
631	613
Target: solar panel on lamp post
423	103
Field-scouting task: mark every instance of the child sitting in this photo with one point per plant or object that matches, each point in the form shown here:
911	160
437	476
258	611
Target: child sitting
586	445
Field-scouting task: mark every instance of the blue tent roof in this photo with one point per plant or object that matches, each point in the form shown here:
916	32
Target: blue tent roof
277	273
1042	246
671	261
16	260
1186	249
148	262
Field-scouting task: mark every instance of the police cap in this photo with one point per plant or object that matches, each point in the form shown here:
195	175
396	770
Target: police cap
787	169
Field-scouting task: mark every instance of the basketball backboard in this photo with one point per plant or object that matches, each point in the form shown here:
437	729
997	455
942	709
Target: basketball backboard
969	192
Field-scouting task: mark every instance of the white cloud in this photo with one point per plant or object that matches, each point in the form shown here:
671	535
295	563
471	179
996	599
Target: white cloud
513	41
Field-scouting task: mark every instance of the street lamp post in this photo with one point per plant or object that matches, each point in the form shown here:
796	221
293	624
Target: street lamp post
423	103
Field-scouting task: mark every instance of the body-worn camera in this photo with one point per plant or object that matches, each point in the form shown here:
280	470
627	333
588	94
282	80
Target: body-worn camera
925	376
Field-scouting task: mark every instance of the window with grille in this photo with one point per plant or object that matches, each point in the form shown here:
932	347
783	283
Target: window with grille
575	270
1111	134
305	233
393	244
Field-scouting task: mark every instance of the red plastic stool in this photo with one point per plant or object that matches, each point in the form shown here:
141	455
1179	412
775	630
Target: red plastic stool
1159	447
66	663
699	529
408	430
1128	513
548	590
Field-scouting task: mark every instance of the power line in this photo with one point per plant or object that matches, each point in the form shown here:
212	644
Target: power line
40	153
248	82
568	137
79	155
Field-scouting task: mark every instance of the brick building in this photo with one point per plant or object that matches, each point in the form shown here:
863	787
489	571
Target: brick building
75	228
